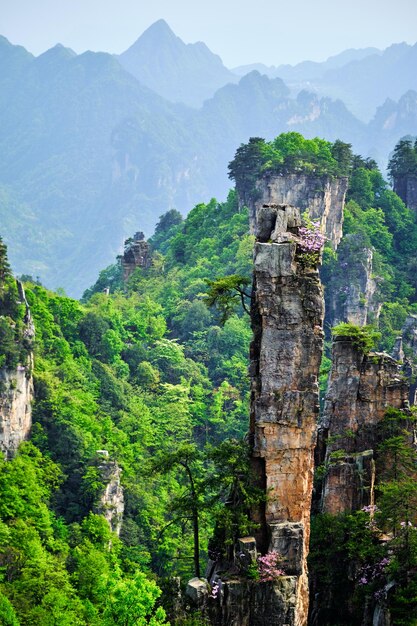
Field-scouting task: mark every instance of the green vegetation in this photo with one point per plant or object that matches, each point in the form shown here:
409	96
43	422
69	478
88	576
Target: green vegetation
150	375
14	342
288	153
371	555
404	159
364	338
159	379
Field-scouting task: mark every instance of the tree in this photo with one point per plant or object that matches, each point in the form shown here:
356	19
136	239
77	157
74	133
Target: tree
225	292
188	457
403	160
244	168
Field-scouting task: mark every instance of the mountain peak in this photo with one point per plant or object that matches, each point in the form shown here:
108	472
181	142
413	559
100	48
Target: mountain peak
156	33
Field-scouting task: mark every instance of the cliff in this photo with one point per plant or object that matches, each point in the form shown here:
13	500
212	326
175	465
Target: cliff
322	197
16	393
111	503
361	388
406	187
137	254
286	352
351	292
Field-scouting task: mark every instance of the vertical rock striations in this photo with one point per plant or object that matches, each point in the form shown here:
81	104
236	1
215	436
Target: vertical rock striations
323	198
351	289
16	393
405	186
361	388
286	352
111	503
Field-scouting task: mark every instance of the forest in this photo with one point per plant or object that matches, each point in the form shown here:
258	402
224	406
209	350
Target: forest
151	375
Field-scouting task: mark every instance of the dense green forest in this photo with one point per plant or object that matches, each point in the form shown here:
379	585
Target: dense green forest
152	374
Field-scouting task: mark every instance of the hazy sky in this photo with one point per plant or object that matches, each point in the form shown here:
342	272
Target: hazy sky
269	31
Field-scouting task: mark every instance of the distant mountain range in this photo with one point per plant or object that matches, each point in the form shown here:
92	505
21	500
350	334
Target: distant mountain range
90	151
188	73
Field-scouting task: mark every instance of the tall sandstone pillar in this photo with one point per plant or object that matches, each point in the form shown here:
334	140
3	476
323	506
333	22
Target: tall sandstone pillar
286	353
287	319
361	388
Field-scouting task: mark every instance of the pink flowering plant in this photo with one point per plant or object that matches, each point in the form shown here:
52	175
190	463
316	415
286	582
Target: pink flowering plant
269	567
311	242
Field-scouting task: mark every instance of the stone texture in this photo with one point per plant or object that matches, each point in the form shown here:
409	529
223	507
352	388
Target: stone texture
351	290
360	390
137	254
16	394
197	591
409	344
323	197
16	398
111	503
406	187
246	603
287	319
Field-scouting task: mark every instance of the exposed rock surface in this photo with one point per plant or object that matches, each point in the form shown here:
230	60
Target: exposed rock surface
351	289
323	197
406	187
287	319
137	254
409	345
360	390
16	395
248	603
111	504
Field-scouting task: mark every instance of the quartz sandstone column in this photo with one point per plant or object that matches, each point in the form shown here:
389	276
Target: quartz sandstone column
361	388
287	318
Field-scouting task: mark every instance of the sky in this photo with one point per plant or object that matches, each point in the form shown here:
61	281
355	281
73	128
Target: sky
241	32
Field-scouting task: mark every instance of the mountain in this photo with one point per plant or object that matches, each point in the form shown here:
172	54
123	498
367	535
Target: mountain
59	163
306	70
392	120
364	84
89	155
188	73
362	79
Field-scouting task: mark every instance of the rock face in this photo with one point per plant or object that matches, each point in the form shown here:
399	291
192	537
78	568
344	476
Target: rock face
406	187
16	395
137	254
111	504
409	344
323	198
247	603
351	289
287	319
360	390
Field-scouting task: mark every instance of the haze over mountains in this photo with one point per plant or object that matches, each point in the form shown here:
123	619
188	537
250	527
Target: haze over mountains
94	146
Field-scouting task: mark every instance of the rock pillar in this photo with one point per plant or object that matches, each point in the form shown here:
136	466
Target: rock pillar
287	317
361	388
16	394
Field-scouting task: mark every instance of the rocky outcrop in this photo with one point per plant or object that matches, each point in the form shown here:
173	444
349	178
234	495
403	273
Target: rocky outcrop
351	288
111	503
16	396
287	319
322	197
16	393
361	388
405	186
409	345
137	254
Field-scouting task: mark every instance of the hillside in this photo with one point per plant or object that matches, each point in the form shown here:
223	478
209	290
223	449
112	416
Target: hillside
142	404
89	155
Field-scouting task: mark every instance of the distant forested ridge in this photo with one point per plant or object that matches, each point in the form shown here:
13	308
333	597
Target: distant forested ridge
88	151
